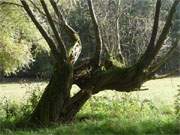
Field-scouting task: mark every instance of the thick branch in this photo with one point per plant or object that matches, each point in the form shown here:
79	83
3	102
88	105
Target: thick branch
154	68
76	103
75	52
68	28
146	58
57	36
120	55
98	53
77	47
166	28
50	42
162	37
37	8
40	11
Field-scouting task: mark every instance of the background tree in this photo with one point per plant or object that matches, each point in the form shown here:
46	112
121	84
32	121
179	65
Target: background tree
20	42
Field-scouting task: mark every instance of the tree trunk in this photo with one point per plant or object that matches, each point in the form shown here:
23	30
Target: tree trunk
57	94
56	105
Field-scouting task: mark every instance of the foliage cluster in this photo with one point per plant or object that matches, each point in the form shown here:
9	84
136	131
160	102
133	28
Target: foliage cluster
19	39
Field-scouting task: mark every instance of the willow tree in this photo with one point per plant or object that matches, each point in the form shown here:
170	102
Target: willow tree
17	38
95	74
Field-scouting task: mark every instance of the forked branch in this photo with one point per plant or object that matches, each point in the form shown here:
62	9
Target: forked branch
166	28
155	67
50	42
152	49
146	58
77	47
55	31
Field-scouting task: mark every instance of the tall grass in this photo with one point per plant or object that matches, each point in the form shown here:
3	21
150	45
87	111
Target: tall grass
100	116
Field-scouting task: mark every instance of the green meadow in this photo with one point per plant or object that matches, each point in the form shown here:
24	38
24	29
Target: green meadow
154	111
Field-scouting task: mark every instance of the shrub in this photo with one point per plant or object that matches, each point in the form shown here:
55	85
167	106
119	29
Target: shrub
12	111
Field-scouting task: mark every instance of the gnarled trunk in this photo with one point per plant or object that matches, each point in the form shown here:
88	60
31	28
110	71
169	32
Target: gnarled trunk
94	76
55	97
56	105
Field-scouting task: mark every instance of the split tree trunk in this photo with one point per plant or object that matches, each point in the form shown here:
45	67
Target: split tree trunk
56	105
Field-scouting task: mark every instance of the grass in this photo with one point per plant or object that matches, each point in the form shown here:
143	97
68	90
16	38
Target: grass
102	117
111	113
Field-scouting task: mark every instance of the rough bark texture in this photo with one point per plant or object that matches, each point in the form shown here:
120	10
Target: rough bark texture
55	97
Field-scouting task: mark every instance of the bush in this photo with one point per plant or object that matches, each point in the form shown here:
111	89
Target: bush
12	111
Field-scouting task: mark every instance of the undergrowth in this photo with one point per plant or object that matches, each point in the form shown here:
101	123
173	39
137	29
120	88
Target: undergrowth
100	115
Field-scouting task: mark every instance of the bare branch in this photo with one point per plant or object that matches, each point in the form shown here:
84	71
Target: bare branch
77	47
154	68
120	55
166	28
55	31
153	50
50	42
155	26
105	45
36	7
146	58
67	27
98	53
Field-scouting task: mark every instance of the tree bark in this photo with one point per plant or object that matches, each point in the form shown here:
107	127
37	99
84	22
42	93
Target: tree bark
75	104
56	105
56	96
